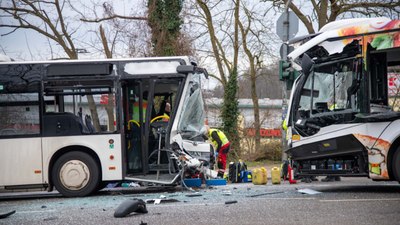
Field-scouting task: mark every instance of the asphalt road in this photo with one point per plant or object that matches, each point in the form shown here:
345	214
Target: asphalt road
350	201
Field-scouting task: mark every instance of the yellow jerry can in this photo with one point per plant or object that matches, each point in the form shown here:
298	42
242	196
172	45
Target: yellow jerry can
275	175
259	176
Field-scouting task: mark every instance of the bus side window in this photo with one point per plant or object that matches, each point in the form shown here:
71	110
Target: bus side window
62	123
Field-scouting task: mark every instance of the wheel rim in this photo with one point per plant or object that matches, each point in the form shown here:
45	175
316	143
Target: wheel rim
74	175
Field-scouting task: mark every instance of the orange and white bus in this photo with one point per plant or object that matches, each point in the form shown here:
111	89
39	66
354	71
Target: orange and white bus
343	117
77	125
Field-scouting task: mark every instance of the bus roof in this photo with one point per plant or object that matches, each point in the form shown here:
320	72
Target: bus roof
73	61
346	27
132	66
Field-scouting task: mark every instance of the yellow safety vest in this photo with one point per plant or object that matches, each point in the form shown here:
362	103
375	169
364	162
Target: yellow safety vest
221	136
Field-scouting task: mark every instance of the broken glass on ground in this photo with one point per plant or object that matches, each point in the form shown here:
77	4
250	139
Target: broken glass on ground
308	191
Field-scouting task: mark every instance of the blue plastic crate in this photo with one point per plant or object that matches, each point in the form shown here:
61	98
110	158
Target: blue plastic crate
215	182
192	182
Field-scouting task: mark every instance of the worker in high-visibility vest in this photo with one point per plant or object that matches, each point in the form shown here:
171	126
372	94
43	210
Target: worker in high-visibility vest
136	110
222	146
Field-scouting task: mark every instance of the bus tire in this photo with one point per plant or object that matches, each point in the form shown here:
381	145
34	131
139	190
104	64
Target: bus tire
396	164
76	174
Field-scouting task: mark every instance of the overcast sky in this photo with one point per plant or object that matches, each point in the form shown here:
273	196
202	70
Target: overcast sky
26	44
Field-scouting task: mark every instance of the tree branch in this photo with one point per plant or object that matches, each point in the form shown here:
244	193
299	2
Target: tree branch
213	38
302	17
115	16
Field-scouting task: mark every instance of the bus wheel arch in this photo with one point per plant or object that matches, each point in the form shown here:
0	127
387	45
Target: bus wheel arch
75	171
395	164
393	160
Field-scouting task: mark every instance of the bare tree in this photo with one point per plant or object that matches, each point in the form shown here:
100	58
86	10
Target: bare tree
254	48
254	45
325	11
126	35
227	64
154	33
46	18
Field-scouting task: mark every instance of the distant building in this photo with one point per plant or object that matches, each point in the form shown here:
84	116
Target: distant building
270	115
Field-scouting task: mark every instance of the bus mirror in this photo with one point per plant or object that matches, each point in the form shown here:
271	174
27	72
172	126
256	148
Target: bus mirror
185	69
306	64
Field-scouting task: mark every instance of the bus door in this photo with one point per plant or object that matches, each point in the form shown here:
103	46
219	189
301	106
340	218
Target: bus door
134	124
149	106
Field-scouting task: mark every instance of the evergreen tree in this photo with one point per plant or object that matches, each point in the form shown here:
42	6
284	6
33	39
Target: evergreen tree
165	23
230	110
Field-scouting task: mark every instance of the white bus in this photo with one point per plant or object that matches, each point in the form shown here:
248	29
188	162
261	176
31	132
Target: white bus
343	119
77	125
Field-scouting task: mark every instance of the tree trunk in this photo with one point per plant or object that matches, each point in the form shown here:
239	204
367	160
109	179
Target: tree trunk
254	98
110	105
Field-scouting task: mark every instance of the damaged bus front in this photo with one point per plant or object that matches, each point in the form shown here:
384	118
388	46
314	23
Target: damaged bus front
343	115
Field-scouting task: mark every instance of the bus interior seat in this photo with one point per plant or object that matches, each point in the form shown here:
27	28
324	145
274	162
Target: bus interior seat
62	123
85	130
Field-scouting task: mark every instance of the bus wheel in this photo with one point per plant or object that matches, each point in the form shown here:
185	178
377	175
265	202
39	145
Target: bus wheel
396	164
76	174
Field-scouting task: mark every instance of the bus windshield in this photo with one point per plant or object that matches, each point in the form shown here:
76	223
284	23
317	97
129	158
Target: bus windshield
192	118
330	85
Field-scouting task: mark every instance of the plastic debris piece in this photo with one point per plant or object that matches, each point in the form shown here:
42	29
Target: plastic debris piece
230	202
161	200
133	184
112	185
5	215
194	195
266	193
129	206
227	193
308	191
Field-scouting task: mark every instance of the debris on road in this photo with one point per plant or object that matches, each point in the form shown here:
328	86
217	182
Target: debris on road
266	193
129	206
130	184
230	202
227	193
194	195
159	200
308	191
5	215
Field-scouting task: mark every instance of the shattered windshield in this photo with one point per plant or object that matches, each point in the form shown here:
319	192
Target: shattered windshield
328	88
192	118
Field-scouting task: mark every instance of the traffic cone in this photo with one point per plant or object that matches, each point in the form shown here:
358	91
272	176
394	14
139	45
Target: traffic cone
291	175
